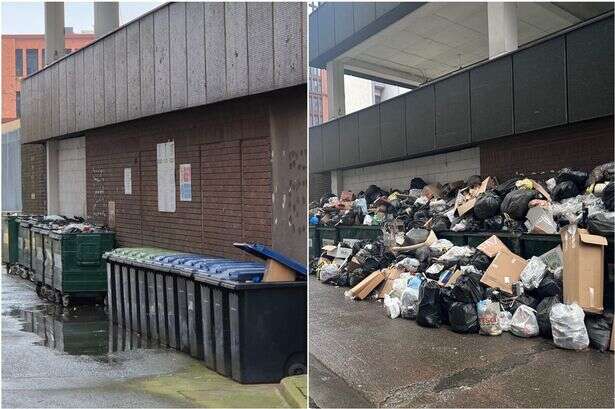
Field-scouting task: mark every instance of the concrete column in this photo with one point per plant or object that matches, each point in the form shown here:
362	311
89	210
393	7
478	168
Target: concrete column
502	24
53	177
54	31
337	182
106	17
335	87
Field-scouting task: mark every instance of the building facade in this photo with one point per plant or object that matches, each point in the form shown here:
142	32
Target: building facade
183	129
23	55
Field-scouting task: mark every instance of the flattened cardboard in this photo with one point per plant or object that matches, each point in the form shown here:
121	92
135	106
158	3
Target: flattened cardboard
612	348
463	204
391	274
541	190
453	279
275	271
492	246
583	273
504	270
367	285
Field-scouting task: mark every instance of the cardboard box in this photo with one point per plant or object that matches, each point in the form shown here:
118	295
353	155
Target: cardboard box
492	246
391	274
466	198
583	274
612	348
504	270
275	271
367	285
453	279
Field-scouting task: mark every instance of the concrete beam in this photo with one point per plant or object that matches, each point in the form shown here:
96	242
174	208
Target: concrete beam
54	31
384	74
335	87
502	27
106	17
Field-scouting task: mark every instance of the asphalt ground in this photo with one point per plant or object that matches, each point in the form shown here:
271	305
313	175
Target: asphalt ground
361	358
56	357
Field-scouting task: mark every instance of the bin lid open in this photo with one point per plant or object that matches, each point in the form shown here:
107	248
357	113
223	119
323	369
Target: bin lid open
264	252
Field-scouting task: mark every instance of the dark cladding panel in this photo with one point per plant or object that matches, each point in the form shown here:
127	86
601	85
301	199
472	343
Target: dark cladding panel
589	53
392	128
540	86
453	111
343	21
326	24
384	7
491	96
370	147
349	140
315	139
313	44
331	145
420	120
364	13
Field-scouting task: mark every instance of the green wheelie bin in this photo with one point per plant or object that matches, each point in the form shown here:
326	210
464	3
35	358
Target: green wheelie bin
79	270
360	232
10	230
24	246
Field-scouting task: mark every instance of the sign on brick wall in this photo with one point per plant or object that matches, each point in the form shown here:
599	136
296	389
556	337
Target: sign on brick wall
165	165
185	182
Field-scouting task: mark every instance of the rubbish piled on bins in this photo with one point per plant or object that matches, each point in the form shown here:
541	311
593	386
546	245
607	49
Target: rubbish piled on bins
480	204
52	252
486	290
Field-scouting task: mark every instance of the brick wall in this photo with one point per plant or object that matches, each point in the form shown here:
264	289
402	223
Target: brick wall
34	178
581	146
228	147
445	167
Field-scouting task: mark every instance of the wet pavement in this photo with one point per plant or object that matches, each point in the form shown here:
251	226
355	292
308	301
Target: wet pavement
56	357
361	358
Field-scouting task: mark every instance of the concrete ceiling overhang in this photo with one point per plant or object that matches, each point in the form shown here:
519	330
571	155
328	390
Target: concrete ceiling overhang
435	39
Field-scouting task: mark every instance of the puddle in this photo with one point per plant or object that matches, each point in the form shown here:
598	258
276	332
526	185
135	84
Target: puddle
82	330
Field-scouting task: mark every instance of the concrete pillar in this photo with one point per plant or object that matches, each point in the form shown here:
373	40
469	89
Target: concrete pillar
106	17
502	24
335	87
337	182
54	31
53	177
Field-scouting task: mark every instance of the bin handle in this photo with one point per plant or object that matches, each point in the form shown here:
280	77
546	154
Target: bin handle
88	263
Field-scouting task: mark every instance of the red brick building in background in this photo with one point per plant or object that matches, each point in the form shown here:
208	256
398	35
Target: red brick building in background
22	55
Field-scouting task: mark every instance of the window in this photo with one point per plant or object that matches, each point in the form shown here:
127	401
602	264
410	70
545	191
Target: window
18	104
31	60
19	62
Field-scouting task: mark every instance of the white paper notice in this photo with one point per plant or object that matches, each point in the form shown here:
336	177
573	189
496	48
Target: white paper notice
165	160
127	181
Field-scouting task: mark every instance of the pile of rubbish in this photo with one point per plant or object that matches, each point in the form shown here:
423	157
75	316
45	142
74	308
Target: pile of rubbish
486	290
481	204
64	224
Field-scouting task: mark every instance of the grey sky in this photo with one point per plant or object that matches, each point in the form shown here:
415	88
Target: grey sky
29	17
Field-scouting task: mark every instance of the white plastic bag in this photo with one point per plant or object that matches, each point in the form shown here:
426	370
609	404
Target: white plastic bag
437	206
504	319
568	326
488	317
533	273
410	298
461	226
367	220
328	272
392	306
361	204
434	269
408	264
455	253
524	322
440	247
399	285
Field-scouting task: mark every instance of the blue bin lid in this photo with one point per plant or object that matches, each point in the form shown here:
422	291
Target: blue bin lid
195	261
217	265
221	267
264	252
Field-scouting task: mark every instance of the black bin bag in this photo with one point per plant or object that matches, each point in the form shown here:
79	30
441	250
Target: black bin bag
467	289
542	315
577	177
608	196
463	317
487	205
599	331
429	313
565	190
515	204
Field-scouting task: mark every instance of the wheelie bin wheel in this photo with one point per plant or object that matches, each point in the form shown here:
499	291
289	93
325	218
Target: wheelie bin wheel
296	365
24	274
65	300
39	289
